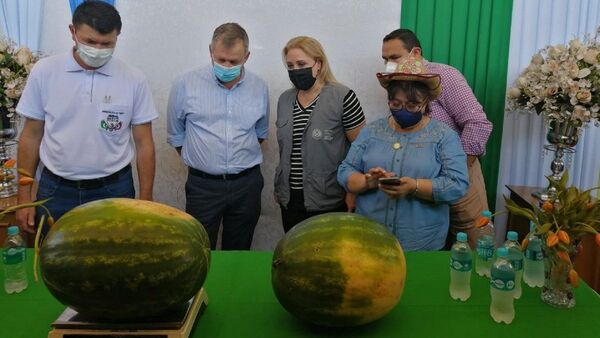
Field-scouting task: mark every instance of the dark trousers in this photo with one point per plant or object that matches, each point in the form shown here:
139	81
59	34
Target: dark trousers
67	194
235	202
296	212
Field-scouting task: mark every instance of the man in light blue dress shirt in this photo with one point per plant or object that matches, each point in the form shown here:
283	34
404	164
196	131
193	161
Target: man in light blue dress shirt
217	117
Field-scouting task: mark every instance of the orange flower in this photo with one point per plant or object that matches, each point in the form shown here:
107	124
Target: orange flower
551	240
9	163
589	206
482	221
24	180
547	206
564	256
524	244
574	278
597	239
563	236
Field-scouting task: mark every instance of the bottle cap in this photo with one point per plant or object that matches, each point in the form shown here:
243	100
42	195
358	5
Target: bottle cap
12	230
487	214
512	236
532	226
461	237
502	252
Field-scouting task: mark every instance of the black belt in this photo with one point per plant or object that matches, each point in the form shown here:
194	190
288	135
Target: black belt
224	177
91	183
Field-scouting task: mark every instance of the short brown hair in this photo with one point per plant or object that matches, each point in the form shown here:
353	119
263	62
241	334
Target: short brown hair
229	33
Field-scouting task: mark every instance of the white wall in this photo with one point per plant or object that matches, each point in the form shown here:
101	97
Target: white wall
165	38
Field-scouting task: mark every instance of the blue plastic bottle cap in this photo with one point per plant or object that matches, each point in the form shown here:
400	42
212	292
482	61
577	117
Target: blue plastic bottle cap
461	236
12	230
532	226
512	236
502	252
487	214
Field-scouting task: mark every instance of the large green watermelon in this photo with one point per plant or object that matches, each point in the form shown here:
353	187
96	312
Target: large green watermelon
123	259
338	269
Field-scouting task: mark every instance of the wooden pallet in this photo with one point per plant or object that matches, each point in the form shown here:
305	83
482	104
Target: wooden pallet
63	330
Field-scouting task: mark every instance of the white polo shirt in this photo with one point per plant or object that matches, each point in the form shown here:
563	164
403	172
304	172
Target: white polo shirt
87	114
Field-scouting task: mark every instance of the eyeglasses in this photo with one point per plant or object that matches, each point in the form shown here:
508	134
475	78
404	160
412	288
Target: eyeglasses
412	107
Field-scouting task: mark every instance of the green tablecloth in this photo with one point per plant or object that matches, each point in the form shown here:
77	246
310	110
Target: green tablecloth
242	304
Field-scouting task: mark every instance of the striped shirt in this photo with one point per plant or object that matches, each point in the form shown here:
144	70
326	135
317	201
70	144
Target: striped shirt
352	117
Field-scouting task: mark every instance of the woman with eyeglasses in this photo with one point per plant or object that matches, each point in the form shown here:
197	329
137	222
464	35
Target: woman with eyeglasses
317	120
407	168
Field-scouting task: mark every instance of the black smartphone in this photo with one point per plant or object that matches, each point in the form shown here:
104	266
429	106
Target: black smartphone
395	180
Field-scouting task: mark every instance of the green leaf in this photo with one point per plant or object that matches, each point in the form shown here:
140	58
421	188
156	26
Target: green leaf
545	228
519	211
582	227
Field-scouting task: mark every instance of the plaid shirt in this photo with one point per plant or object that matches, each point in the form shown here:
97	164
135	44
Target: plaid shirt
459	109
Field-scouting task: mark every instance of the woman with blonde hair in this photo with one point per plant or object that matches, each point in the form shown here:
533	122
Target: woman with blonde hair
317	120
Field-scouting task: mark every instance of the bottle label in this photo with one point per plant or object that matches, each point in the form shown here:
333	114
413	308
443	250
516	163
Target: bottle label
517	264
13	255
534	255
460	265
485	252
505	284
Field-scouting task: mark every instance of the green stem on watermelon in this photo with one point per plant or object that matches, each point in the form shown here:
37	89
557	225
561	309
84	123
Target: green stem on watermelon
23	206
36	245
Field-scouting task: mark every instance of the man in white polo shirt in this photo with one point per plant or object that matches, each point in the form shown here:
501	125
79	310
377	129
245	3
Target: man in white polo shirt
81	110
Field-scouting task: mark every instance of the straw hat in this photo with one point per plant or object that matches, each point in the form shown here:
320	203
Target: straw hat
411	69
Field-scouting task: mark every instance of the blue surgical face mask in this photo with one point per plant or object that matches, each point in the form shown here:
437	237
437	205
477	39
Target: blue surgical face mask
226	74
405	118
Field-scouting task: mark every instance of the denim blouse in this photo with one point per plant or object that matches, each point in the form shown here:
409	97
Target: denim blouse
434	152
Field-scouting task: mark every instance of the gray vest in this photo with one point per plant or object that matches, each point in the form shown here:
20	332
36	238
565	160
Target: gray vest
324	146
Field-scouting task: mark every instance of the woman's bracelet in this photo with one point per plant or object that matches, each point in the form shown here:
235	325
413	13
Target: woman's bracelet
414	193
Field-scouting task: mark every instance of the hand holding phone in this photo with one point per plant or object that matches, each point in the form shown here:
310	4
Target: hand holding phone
394	180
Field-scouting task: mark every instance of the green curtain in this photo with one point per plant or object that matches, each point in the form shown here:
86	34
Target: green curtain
472	36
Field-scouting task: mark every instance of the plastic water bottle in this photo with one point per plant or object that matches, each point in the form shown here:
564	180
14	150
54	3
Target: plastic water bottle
14	259
485	246
460	268
516	259
502	284
533	268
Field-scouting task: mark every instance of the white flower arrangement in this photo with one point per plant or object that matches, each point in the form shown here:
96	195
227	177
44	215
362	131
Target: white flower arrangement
562	83
15	66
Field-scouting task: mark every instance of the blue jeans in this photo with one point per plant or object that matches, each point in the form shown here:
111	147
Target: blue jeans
66	196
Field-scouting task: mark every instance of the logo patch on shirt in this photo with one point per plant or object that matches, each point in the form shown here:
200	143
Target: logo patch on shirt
111	122
317	134
328	135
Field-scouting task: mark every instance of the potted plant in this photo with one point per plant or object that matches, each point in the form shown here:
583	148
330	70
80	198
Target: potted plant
561	222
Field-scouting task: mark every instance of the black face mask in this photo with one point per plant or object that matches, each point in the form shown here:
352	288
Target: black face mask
302	78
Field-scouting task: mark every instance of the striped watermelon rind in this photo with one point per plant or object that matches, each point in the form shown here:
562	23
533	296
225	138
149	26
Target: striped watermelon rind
338	269
123	259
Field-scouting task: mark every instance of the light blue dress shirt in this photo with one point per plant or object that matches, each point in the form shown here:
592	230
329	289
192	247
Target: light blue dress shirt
435	153
218	128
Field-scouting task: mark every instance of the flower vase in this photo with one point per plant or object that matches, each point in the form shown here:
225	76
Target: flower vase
558	288
8	132
562	136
